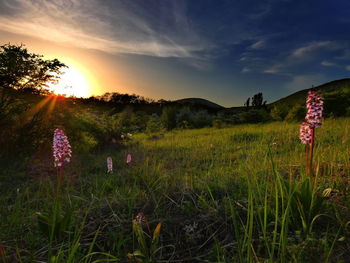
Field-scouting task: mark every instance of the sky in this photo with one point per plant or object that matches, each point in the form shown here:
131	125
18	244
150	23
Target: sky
221	50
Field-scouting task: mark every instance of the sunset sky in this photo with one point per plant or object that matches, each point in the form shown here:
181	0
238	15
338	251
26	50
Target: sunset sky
221	50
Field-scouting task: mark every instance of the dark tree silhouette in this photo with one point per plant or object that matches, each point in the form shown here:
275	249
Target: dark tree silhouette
247	103
258	100
21	70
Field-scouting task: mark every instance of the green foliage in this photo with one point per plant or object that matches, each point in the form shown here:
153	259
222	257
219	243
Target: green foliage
148	244
201	118
168	117
189	118
297	113
184	117
253	116
306	204
336	102
245	137
228	186
347	111
55	224
335	93
279	113
154	125
217	123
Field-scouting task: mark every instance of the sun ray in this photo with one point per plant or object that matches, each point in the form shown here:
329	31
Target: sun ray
50	108
35	109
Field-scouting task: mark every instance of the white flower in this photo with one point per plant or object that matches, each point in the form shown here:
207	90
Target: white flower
128	158
109	165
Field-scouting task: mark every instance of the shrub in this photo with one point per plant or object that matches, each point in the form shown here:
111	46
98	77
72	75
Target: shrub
254	116
279	113
217	123
200	119
154	125
297	113
183	115
168	118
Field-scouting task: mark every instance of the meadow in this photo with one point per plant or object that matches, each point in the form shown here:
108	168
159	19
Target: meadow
233	194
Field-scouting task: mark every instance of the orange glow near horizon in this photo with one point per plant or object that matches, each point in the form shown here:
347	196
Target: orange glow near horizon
75	81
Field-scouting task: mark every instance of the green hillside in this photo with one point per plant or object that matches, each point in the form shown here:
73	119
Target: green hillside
336	94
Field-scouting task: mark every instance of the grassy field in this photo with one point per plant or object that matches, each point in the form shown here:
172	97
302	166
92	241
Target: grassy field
235	194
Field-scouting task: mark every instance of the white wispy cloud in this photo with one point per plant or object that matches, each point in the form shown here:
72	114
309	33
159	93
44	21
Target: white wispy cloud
258	45
278	69
328	64
246	70
122	27
300	56
306	50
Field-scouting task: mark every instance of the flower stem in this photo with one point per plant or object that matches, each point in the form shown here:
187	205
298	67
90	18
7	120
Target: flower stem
307	168
311	152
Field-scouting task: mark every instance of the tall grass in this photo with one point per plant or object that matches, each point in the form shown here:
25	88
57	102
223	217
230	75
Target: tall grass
223	195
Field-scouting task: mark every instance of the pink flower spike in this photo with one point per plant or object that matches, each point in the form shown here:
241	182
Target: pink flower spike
61	148
109	165
128	158
305	133
314	106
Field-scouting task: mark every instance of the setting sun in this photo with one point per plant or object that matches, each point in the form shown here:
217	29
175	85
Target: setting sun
72	83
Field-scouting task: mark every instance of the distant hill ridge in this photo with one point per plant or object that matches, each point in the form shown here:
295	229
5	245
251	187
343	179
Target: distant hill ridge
340	85
200	102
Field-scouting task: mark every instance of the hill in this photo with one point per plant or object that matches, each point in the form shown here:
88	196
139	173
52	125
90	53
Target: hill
334	92
200	102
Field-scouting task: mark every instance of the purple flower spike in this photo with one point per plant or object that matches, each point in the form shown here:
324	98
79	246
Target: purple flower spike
314	105
305	133
61	148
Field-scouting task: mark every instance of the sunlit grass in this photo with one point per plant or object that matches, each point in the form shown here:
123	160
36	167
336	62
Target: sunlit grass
222	195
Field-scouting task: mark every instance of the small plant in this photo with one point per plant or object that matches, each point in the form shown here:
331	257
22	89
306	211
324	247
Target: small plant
55	224
314	105
128	158
61	148
306	204
148	243
109	165
62	152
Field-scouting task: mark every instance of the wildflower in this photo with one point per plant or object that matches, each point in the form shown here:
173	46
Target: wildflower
129	135
314	105
109	165
305	133
128	158
122	136
61	148
140	218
